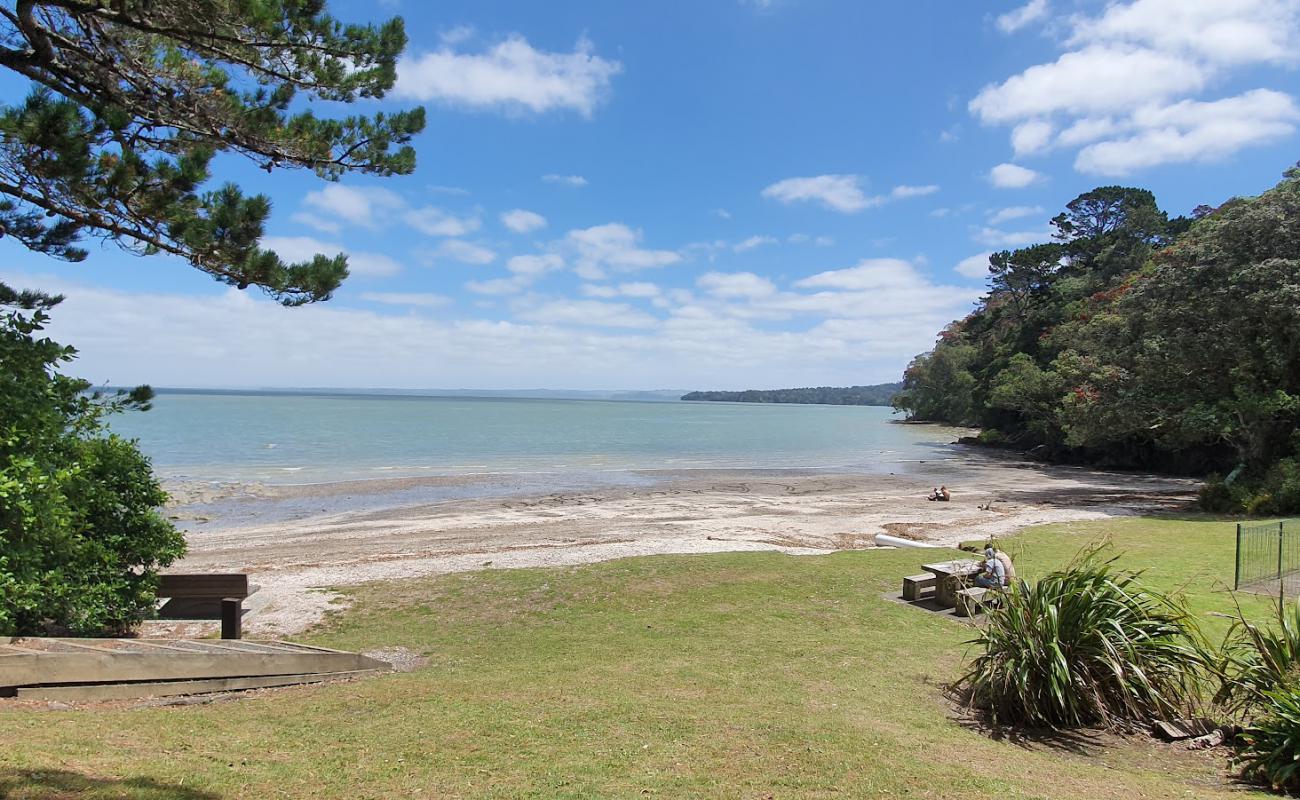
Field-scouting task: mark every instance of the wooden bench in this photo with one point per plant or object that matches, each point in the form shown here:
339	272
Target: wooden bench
972	602
915	585
207	596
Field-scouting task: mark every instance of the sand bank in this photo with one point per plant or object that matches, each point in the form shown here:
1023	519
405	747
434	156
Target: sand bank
383	530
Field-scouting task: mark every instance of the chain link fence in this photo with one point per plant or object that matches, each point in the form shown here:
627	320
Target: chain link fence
1268	558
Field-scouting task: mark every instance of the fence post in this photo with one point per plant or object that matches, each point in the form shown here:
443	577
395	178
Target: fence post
1281	580
1236	574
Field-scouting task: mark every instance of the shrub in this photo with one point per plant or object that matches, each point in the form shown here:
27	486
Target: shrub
81	539
1254	661
1085	646
1218	497
1269	750
1276	491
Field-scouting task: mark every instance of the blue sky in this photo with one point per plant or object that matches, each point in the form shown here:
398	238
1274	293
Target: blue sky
706	194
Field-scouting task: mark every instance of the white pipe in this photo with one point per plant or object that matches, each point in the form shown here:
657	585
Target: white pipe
897	541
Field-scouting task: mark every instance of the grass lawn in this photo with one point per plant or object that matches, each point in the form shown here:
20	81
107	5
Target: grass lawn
729	676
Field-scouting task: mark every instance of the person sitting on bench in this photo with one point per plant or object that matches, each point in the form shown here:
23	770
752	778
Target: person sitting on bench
994	575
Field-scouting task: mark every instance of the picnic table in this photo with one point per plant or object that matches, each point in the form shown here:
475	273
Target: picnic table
951	577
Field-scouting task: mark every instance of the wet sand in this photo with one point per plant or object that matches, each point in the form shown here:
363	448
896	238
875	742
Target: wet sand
297	541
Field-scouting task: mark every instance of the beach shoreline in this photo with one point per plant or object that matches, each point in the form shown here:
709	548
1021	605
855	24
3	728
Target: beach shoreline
300	541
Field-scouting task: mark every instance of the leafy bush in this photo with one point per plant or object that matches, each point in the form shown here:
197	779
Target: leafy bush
1254	661
81	539
1269	750
1277	491
1085	646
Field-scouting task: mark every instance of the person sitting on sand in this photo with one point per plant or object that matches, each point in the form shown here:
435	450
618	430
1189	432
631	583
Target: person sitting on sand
943	494
934	494
994	575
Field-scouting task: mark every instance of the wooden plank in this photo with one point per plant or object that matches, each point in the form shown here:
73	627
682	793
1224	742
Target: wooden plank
156	645
210	585
126	691
89	667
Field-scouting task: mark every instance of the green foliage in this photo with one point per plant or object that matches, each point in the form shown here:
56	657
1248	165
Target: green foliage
1139	341
876	395
1269	750
81	539
1086	645
1276	491
1255	660
132	100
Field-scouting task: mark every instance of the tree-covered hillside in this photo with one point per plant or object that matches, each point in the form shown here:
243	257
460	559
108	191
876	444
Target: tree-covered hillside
1135	340
880	394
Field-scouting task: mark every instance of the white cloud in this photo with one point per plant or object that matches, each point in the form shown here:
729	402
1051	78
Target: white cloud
535	265
722	213
512	285
423	299
615	247
1013	176
869	274
1098	79
589	312
976	266
1087	130
466	252
995	237
1018	18
1031	137
522	221
837	192
1013	212
1127	87
735	284
638	289
1220	32
304	248
436	222
754	242
525	271
511	75
372	208
904	191
314	221
576	181
841	193
352	204
233	338
1193	131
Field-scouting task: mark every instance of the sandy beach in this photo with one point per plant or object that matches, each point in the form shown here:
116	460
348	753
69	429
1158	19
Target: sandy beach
297	541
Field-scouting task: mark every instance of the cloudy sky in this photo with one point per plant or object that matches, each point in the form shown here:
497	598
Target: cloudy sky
704	194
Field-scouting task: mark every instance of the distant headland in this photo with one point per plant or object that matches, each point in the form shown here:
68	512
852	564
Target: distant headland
879	394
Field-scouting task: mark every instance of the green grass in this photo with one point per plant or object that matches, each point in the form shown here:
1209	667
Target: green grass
737	675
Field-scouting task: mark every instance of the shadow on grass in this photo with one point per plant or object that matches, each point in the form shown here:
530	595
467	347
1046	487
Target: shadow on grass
1079	742
34	783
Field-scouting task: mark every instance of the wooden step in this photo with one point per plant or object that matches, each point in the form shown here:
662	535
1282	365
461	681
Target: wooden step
130	691
46	662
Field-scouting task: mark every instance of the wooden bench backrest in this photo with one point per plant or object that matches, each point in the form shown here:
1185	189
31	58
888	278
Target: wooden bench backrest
211	585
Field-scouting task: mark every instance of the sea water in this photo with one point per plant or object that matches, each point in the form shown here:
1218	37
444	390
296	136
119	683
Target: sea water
315	438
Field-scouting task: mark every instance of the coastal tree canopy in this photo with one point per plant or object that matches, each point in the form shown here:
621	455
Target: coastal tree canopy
132	100
1139	341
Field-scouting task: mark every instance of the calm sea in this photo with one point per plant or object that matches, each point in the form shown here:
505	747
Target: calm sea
286	438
